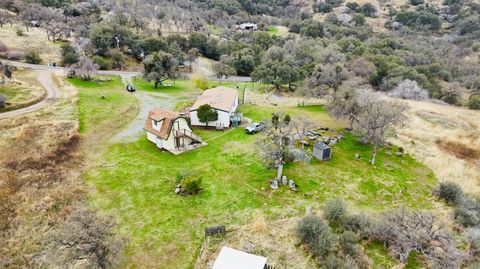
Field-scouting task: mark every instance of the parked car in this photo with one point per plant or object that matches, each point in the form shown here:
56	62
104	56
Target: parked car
255	127
130	88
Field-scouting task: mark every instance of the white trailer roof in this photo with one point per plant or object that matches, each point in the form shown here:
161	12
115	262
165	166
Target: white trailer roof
230	258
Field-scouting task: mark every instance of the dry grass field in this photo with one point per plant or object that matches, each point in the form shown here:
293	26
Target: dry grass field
34	39
22	91
445	138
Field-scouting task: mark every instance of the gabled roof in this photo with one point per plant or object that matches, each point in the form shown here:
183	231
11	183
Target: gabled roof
230	258
165	118
321	146
221	98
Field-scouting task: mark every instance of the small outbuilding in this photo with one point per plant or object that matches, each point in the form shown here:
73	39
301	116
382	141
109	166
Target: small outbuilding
230	258
322	151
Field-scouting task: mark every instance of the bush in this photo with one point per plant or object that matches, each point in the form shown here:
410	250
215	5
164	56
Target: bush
417	2
369	10
450	192
103	64
314	231
14	55
19	32
348	244
359	223
69	55
191	185
200	81
352	6
335	211
335	262
32	57
3	47
409	89
2	102
466	217
474	102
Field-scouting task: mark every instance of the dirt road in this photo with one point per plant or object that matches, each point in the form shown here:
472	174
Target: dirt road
45	79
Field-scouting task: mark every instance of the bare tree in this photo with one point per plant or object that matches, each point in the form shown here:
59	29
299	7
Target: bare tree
325	77
404	232
302	126
344	105
192	56
377	117
6	71
84	68
409	89
274	145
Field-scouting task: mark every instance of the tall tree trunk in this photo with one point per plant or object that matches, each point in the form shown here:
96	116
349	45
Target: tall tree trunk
374	153
280	170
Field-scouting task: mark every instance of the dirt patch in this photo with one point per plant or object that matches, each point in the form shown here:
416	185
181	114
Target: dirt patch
459	150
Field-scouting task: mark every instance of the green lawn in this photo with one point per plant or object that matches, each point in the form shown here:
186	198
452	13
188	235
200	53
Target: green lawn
115	82
138	188
100	116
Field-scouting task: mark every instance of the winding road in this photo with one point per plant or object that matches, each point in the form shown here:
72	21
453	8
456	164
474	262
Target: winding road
53	93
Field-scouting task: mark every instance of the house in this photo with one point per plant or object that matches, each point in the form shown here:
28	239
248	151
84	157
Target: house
248	26
322	151
224	100
169	130
230	258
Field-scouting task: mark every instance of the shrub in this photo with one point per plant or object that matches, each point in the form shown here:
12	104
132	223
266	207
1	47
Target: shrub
358	19
417	2
314	231
335	262
359	223
474	102
352	6
369	10
200	81
69	55
409	89
19	32
473	237
348	244
324	8
103	64
3	47
450	192
32	57
14	55
191	185
466	217
2	102
335	211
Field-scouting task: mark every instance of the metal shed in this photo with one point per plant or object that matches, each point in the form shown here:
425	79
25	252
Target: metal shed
322	151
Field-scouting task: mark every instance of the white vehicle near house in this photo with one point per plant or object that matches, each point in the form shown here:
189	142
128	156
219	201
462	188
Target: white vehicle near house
224	100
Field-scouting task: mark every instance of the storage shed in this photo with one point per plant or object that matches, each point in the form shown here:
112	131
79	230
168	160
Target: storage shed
322	151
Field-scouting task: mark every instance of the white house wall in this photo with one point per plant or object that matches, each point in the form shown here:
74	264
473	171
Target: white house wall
223	119
151	137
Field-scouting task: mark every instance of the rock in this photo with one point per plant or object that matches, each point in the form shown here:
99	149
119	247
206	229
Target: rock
177	190
388	153
308	210
363	140
292	185
263	189
284	180
399	154
357	156
396	25
345	19
274	184
325	139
